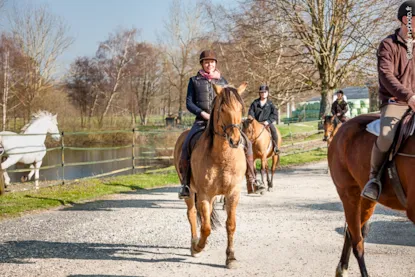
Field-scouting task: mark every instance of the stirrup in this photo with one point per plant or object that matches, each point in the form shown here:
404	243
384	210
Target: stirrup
184	192
372	181
259	187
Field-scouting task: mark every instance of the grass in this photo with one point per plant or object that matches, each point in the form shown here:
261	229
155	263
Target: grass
15	204
317	155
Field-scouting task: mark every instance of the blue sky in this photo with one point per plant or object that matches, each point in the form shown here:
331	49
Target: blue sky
91	21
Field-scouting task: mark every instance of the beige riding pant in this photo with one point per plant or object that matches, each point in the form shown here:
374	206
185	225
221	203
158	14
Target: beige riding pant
390	115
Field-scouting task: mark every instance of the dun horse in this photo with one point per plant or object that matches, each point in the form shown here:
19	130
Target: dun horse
218	167
330	124
349	163
262	147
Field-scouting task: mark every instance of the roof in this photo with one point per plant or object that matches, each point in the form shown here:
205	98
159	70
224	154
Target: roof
350	92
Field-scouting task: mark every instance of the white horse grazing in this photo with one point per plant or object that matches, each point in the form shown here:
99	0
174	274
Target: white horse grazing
26	148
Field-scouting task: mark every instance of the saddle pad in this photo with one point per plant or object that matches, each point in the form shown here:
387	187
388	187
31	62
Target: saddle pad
374	127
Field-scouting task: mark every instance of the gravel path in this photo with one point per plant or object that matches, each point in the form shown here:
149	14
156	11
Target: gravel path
294	231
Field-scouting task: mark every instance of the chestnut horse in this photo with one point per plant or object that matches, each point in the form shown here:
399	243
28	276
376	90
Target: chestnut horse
330	124
263	148
218	166
349	163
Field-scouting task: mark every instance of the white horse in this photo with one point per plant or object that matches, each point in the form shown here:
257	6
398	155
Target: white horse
26	148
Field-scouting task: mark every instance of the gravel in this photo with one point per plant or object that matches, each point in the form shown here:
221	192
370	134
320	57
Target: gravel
297	230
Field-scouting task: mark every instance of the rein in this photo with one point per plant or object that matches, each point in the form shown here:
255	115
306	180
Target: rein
260	133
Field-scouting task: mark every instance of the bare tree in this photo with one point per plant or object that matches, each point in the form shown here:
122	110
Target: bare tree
337	37
113	56
183	31
43	37
82	85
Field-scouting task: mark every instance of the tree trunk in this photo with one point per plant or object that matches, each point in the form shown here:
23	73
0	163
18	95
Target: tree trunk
326	101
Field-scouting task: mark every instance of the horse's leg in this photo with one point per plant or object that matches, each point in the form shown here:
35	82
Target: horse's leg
231	203
37	166
204	206
30	175
11	160
275	159
367	209
192	217
264	169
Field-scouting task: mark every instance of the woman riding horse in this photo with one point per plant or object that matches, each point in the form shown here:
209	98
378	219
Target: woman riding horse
199	99
264	111
220	159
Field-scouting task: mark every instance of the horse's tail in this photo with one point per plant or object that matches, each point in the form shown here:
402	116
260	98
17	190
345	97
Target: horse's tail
214	216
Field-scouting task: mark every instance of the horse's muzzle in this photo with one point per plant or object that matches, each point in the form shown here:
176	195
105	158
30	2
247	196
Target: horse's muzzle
325	138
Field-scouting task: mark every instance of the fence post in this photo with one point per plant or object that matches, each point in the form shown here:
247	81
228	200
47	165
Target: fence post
63	156
133	152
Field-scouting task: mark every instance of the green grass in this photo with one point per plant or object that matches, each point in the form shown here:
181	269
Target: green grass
13	204
297	128
299	158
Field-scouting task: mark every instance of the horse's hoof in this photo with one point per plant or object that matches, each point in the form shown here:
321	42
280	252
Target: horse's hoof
23	179
341	272
231	264
270	189
262	192
193	250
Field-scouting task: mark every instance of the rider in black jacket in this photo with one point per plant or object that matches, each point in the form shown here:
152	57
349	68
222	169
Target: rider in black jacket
265	113
199	101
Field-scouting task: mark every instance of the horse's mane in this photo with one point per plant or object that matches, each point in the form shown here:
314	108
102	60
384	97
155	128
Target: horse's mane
228	95
35	117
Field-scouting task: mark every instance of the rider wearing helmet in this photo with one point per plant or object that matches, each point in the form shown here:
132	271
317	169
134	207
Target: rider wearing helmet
339	107
396	91
265	113
200	95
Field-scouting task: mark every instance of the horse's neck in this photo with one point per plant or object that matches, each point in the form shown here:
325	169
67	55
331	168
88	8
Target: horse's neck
36	128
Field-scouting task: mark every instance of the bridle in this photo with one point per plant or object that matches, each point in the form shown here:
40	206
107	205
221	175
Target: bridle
226	127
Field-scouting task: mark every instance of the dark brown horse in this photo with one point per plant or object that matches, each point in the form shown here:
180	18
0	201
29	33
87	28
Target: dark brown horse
263	149
330	124
218	166
349	163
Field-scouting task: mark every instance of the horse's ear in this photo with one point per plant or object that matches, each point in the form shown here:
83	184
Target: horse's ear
332	119
250	118
218	89
242	87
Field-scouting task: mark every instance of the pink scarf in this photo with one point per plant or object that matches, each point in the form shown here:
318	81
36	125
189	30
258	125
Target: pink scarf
209	76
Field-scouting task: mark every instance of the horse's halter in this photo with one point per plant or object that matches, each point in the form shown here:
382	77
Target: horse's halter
226	127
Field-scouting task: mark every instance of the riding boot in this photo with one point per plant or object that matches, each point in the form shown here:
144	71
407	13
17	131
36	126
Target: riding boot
373	187
252	182
184	168
276	150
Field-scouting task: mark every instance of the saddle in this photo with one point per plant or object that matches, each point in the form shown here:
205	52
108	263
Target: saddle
406	129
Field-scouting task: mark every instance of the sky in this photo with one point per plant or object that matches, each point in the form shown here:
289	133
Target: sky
90	21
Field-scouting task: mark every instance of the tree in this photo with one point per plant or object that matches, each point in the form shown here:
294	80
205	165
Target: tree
113	56
144	78
82	85
183	31
42	37
337	36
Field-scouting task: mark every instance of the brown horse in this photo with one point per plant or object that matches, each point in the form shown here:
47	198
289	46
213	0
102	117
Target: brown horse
349	163
218	166
263	148
330	124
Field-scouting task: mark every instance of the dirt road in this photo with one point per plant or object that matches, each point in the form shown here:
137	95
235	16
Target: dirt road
297	230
